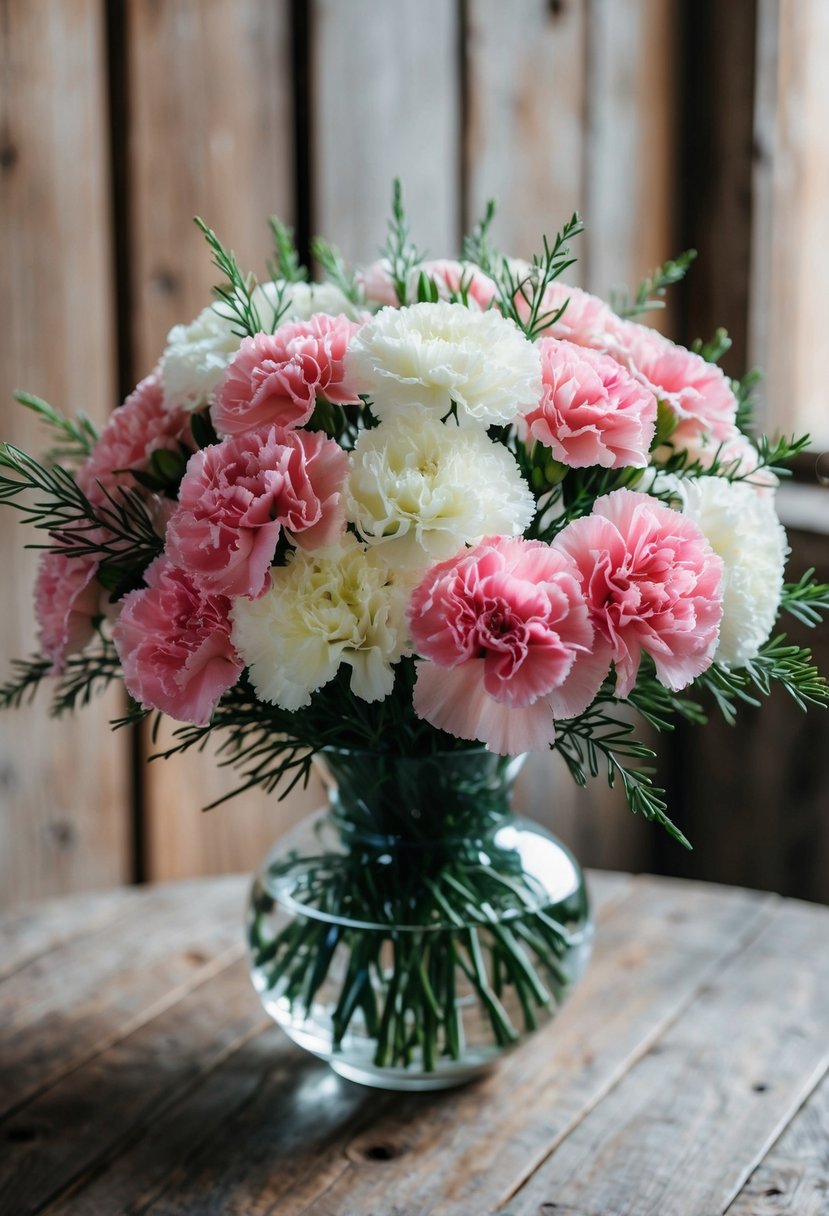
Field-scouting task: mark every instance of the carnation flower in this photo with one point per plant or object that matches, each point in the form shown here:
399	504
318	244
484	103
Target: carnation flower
743	529
450	277
652	583
507	635
697	392
586	320
424	489
196	356
139	427
173	640
67	603
303	301
237	496
276	378
591	412
435	355
337	605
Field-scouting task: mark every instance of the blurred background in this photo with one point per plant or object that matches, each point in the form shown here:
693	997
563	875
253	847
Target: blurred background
666	123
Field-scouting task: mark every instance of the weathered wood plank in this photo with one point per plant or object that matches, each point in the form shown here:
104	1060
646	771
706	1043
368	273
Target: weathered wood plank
654	950
526	74
261	1096
37	929
210	134
793	1179
790	247
60	1137
75	1001
385	103
285	1114
630	148
686	1125
64	813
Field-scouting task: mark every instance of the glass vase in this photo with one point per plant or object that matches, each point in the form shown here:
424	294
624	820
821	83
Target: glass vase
416	929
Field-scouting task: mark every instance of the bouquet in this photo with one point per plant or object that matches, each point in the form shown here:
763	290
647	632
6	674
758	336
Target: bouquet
418	508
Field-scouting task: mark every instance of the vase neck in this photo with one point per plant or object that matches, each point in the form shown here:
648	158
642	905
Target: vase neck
379	797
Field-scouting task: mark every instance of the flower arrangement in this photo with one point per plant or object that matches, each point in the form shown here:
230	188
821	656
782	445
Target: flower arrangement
414	509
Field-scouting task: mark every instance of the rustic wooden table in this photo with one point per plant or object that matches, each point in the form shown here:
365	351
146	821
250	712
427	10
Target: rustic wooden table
686	1077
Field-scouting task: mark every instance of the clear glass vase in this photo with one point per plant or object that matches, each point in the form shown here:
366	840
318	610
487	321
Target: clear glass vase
415	929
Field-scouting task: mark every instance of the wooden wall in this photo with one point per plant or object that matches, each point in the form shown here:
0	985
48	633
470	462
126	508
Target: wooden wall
120	120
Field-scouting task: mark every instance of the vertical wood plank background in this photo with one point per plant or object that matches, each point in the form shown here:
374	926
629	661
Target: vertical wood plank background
656	119
64	786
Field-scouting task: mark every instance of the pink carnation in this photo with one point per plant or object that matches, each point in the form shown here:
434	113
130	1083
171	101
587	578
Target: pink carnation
450	276
236	496
447	274
586	320
139	427
696	392
376	283
592	412
508	642
276	378
67	601
652	583
173	640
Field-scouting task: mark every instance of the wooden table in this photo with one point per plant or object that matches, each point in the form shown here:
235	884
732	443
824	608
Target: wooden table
686	1077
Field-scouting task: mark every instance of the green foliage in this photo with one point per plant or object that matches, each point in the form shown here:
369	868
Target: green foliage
477	246
596	740
714	349
285	263
84	677
76	436
119	531
515	289
335	269
777	663
806	599
236	292
743	390
401	254
649	296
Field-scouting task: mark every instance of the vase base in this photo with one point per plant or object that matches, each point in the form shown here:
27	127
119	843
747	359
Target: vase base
355	1061
401	1081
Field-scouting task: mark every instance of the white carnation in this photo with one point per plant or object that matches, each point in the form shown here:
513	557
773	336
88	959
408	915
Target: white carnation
436	354
742	527
196	357
303	299
424	489
336	605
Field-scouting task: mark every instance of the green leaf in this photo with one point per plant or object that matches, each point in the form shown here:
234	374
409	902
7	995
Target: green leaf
653	287
285	264
807	600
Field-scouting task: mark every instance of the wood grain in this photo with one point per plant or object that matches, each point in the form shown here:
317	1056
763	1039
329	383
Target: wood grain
793	1179
36	929
247	1098
210	134
60	1134
790	247
687	1075
112	981
64	811
385	103
630	143
525	137
639	982
688	1122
